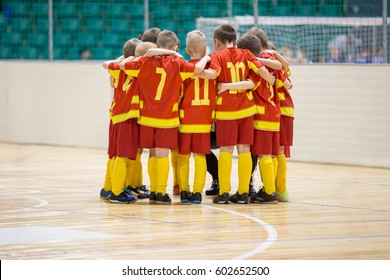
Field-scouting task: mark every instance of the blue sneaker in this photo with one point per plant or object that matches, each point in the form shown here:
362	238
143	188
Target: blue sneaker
124	197
196	198
105	194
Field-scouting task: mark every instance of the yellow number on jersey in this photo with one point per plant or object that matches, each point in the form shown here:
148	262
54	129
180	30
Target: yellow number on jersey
197	101
160	88
236	72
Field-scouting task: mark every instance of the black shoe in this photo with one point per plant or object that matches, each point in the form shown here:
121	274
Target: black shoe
163	199
124	197
239	198
264	198
196	198
139	192
252	191
222	199
214	189
152	198
185	196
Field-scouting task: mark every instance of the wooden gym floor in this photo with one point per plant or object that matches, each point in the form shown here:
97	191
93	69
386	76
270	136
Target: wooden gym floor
50	209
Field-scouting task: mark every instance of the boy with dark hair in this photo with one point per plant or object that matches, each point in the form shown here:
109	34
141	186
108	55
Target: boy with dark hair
234	110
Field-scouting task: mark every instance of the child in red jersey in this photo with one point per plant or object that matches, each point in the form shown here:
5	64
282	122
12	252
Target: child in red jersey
234	111
160	81
124	134
283	84
196	111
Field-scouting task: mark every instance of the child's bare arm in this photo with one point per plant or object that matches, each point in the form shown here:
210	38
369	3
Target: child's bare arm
263	72
285	64
107	62
123	62
206	74
243	85
271	63
159	51
201	64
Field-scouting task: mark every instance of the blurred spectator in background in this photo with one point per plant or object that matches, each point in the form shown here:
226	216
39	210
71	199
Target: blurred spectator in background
334	55
363	56
348	47
85	54
378	57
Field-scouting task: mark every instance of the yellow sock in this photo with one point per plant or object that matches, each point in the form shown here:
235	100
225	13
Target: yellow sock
174	157
139	179
119	175
267	174
130	172
244	172
162	174
275	163
152	171
200	173
281	175
183	171
107	178
224	172
136	173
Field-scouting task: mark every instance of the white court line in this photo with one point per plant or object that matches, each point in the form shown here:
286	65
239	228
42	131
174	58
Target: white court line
41	202
272	233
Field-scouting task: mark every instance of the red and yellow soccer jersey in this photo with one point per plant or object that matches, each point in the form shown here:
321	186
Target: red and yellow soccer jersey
126	98
197	107
233	65
160	80
267	101
286	102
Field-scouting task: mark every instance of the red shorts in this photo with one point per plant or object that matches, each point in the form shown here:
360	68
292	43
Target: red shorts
286	133
153	137
126	137
233	132
265	143
194	142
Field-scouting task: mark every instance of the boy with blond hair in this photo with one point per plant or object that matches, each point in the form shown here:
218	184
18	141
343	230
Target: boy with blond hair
160	79
196	111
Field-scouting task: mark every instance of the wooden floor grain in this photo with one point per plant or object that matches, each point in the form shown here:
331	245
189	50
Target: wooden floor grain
50	209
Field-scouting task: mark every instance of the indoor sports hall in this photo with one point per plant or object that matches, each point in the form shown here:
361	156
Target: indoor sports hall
54	117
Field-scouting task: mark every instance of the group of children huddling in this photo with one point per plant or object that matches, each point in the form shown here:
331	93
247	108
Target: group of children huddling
162	103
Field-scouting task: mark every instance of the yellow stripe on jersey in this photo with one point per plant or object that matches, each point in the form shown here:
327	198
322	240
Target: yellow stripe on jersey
260	110
287	111
132	73
281	96
181	114
159	123
135	99
279	83
267	126
253	67
175	107
235	115
186	75
125	116
141	104
194	128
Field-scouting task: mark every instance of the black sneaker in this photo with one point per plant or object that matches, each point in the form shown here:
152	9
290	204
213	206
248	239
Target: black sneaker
239	198
138	192
152	198
196	198
264	198
214	189
124	197
163	199
185	196
105	194
252	191
222	199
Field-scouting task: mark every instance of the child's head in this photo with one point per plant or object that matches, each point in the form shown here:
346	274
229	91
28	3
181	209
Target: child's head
250	42
259	33
142	48
150	35
224	35
129	47
196	44
167	39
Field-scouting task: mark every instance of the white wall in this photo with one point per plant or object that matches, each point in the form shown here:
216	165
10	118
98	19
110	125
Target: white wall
342	111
